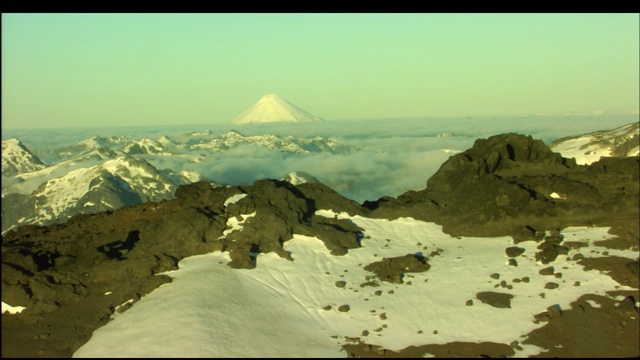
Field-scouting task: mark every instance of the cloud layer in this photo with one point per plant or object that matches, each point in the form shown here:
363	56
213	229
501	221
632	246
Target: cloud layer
394	156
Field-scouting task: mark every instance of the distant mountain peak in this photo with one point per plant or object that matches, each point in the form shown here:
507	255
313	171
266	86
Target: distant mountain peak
300	177
17	159
272	108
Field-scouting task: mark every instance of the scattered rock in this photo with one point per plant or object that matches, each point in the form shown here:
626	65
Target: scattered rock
546	271
393	269
498	300
514	251
551	285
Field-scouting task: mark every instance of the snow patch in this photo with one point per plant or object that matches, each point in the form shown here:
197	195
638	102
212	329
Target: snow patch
11	309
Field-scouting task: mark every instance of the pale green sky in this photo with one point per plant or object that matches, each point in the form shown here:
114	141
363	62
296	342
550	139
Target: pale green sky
61	70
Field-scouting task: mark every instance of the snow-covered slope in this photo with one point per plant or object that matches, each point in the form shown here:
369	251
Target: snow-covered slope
311	306
587	148
147	146
272	108
75	187
300	177
17	159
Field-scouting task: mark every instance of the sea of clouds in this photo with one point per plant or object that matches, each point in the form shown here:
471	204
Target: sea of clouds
395	155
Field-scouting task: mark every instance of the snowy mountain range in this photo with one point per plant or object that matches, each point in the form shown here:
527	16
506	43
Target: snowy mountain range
587	148
272	108
203	142
96	181
106	173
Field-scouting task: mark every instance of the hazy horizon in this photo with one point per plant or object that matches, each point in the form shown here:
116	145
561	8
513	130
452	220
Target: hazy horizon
123	70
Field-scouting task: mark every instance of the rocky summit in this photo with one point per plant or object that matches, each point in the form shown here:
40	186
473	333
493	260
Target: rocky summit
507	184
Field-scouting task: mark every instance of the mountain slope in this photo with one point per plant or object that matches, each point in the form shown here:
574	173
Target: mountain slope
622	141
17	159
272	108
107	185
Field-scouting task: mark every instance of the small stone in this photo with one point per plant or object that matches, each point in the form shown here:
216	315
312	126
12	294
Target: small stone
390	292
495	276
558	275
419	331
525	279
365	332
516	280
328	307
341	283
383	316
435	332
514	251
546	271
551	285
503	283
378	292
513	262
344	308
469	302
577	283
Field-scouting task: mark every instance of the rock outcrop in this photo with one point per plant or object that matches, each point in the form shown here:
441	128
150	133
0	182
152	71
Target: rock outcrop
514	185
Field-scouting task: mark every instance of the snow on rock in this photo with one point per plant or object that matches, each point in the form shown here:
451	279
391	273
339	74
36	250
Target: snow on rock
272	108
11	309
300	177
17	159
234	199
197	315
588	148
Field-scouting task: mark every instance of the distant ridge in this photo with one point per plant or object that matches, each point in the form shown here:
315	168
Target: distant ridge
272	108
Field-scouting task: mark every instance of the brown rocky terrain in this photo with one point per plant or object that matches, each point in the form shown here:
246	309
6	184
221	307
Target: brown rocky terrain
501	186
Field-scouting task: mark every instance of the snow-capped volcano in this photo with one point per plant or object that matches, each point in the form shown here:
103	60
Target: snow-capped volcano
272	108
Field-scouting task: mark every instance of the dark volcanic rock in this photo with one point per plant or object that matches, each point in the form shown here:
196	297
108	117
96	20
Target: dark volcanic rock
502	186
499	300
76	263
393	269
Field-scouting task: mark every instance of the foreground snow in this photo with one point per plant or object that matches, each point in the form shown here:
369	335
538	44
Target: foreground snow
276	309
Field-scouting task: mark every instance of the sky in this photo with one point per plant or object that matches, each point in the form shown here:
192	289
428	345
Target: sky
79	70
211	310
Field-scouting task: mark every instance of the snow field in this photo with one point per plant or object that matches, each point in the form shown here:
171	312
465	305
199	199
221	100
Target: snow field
277	309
